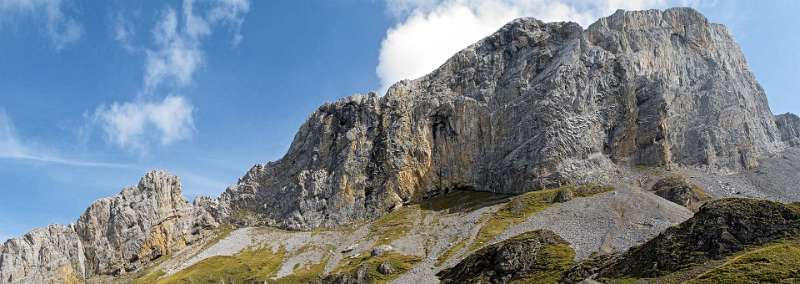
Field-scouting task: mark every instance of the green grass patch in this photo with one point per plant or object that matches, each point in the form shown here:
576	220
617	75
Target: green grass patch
149	277
394	225
245	267
462	201
400	262
776	263
311	273
525	205
220	233
451	251
554	261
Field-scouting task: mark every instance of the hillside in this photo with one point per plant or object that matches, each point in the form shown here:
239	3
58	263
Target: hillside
573	144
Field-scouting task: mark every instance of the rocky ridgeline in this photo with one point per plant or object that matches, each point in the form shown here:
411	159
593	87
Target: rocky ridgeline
533	105
115	235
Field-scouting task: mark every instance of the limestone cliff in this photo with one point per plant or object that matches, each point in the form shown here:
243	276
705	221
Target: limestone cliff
115	235
533	105
789	126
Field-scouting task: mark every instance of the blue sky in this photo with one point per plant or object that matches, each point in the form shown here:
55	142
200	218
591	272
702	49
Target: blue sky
95	93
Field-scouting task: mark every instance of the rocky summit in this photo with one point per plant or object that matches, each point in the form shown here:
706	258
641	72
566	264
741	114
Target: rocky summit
547	147
534	105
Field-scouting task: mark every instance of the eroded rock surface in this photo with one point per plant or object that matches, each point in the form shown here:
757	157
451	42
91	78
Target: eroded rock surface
533	105
676	189
720	228
789	126
115	235
537	255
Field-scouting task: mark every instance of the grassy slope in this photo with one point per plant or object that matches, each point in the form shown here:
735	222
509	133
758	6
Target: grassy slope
775	262
523	206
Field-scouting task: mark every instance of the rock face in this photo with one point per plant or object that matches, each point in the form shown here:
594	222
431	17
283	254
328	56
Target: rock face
540	253
48	255
722	227
533	105
679	191
789	126
115	235
142	223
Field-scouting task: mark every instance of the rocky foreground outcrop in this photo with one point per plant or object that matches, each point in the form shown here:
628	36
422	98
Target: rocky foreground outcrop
533	105
676	189
539	256
115	235
721	228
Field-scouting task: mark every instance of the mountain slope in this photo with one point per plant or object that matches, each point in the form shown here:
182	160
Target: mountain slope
535	110
534	105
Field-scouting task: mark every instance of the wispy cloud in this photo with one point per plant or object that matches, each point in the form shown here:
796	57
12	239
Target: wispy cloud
11	147
124	32
429	32
178	54
171	62
132	125
61	29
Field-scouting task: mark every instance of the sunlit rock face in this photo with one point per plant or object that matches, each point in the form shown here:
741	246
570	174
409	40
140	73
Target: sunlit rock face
116	235
533	105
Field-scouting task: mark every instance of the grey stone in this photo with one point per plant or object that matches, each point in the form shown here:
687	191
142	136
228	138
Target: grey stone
386	268
789	126
115	235
381	250
533	105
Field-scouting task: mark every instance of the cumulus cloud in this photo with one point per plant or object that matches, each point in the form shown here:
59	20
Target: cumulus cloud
12	147
60	28
429	32
133	125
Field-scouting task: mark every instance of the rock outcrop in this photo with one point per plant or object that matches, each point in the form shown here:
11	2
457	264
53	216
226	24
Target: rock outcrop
678	190
47	255
789	126
541	256
533	105
115	235
721	228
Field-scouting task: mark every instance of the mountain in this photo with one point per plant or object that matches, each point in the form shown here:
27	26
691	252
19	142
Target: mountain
540	127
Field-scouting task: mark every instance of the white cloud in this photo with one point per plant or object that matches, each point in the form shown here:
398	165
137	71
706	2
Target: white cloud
60	28
431	31
132	125
11	147
124	32
177	54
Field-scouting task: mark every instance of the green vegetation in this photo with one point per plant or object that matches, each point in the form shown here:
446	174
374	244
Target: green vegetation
393	226
451	251
554	260
462	201
149	277
523	206
776	263
399	262
306	273
244	267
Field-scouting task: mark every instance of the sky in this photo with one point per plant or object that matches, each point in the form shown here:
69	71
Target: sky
95	93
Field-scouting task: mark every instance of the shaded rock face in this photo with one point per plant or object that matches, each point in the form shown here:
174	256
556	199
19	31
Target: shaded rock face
679	191
533	105
115	235
789	126
720	228
513	259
